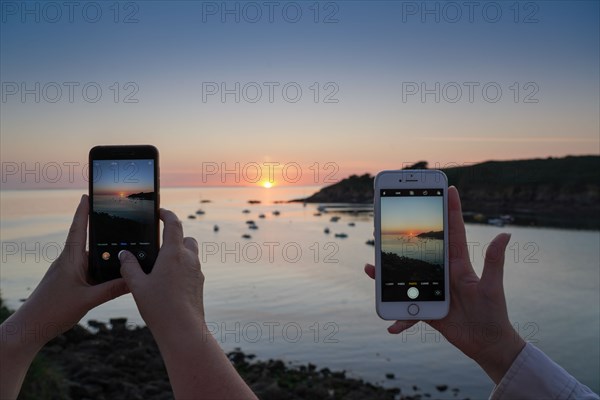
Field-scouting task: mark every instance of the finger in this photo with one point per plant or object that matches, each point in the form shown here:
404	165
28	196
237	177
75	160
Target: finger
400	326
493	266
130	268
191	244
77	236
456	226
370	270
457	237
173	230
109	290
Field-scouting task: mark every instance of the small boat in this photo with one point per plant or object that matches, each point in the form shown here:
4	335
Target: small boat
253	227
317	214
261	215
200	212
250	222
496	222
246	236
253	201
351	224
191	216
334	218
370	242
216	228
326	230
341	235
276	212
246	211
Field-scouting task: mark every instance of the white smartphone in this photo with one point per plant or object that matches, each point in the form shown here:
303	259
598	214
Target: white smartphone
411	245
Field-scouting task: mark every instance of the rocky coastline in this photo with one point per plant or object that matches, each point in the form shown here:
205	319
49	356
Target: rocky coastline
551	192
118	361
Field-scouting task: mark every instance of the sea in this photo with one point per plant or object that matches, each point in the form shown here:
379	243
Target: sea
293	292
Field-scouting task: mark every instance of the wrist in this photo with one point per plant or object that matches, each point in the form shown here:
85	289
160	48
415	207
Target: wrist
496	359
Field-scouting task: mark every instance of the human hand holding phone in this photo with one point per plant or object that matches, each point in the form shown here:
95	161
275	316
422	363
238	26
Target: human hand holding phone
64	295
477	322
172	293
170	300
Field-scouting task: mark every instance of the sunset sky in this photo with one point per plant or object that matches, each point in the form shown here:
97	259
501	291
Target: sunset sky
361	76
411	215
123	177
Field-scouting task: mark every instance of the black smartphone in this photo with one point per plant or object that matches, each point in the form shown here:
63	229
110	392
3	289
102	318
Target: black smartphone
124	201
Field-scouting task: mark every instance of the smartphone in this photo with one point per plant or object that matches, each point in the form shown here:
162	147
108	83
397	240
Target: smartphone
124	201
411	245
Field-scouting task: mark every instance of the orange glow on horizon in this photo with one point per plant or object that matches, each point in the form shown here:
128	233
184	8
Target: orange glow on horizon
407	232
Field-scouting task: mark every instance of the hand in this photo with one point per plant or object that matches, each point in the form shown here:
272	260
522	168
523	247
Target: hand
173	292
170	300
64	295
477	322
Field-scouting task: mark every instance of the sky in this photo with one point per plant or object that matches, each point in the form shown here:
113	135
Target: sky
295	93
123	177
411	215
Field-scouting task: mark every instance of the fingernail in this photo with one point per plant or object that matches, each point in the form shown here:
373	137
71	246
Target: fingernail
119	255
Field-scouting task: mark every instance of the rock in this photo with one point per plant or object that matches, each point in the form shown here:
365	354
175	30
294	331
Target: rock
118	324
101	326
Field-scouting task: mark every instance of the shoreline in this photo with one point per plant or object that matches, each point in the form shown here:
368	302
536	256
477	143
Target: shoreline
119	362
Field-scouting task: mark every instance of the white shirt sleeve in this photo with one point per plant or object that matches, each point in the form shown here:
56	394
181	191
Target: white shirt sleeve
533	375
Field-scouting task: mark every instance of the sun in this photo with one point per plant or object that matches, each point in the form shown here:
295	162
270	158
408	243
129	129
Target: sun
267	185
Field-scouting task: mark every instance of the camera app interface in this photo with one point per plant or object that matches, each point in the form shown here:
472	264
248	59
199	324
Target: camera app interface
412	244
123	211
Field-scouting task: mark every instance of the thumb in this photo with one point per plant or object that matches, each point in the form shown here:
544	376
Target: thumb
493	266
130	268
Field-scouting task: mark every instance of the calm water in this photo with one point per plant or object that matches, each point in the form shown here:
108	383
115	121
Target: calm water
123	207
295	293
428	250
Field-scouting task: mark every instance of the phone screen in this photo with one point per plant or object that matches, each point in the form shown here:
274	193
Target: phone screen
123	214
412	244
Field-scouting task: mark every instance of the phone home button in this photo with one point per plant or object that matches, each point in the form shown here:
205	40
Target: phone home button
413	309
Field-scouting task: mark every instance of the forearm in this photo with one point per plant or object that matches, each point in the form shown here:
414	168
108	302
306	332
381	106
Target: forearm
197	366
19	345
